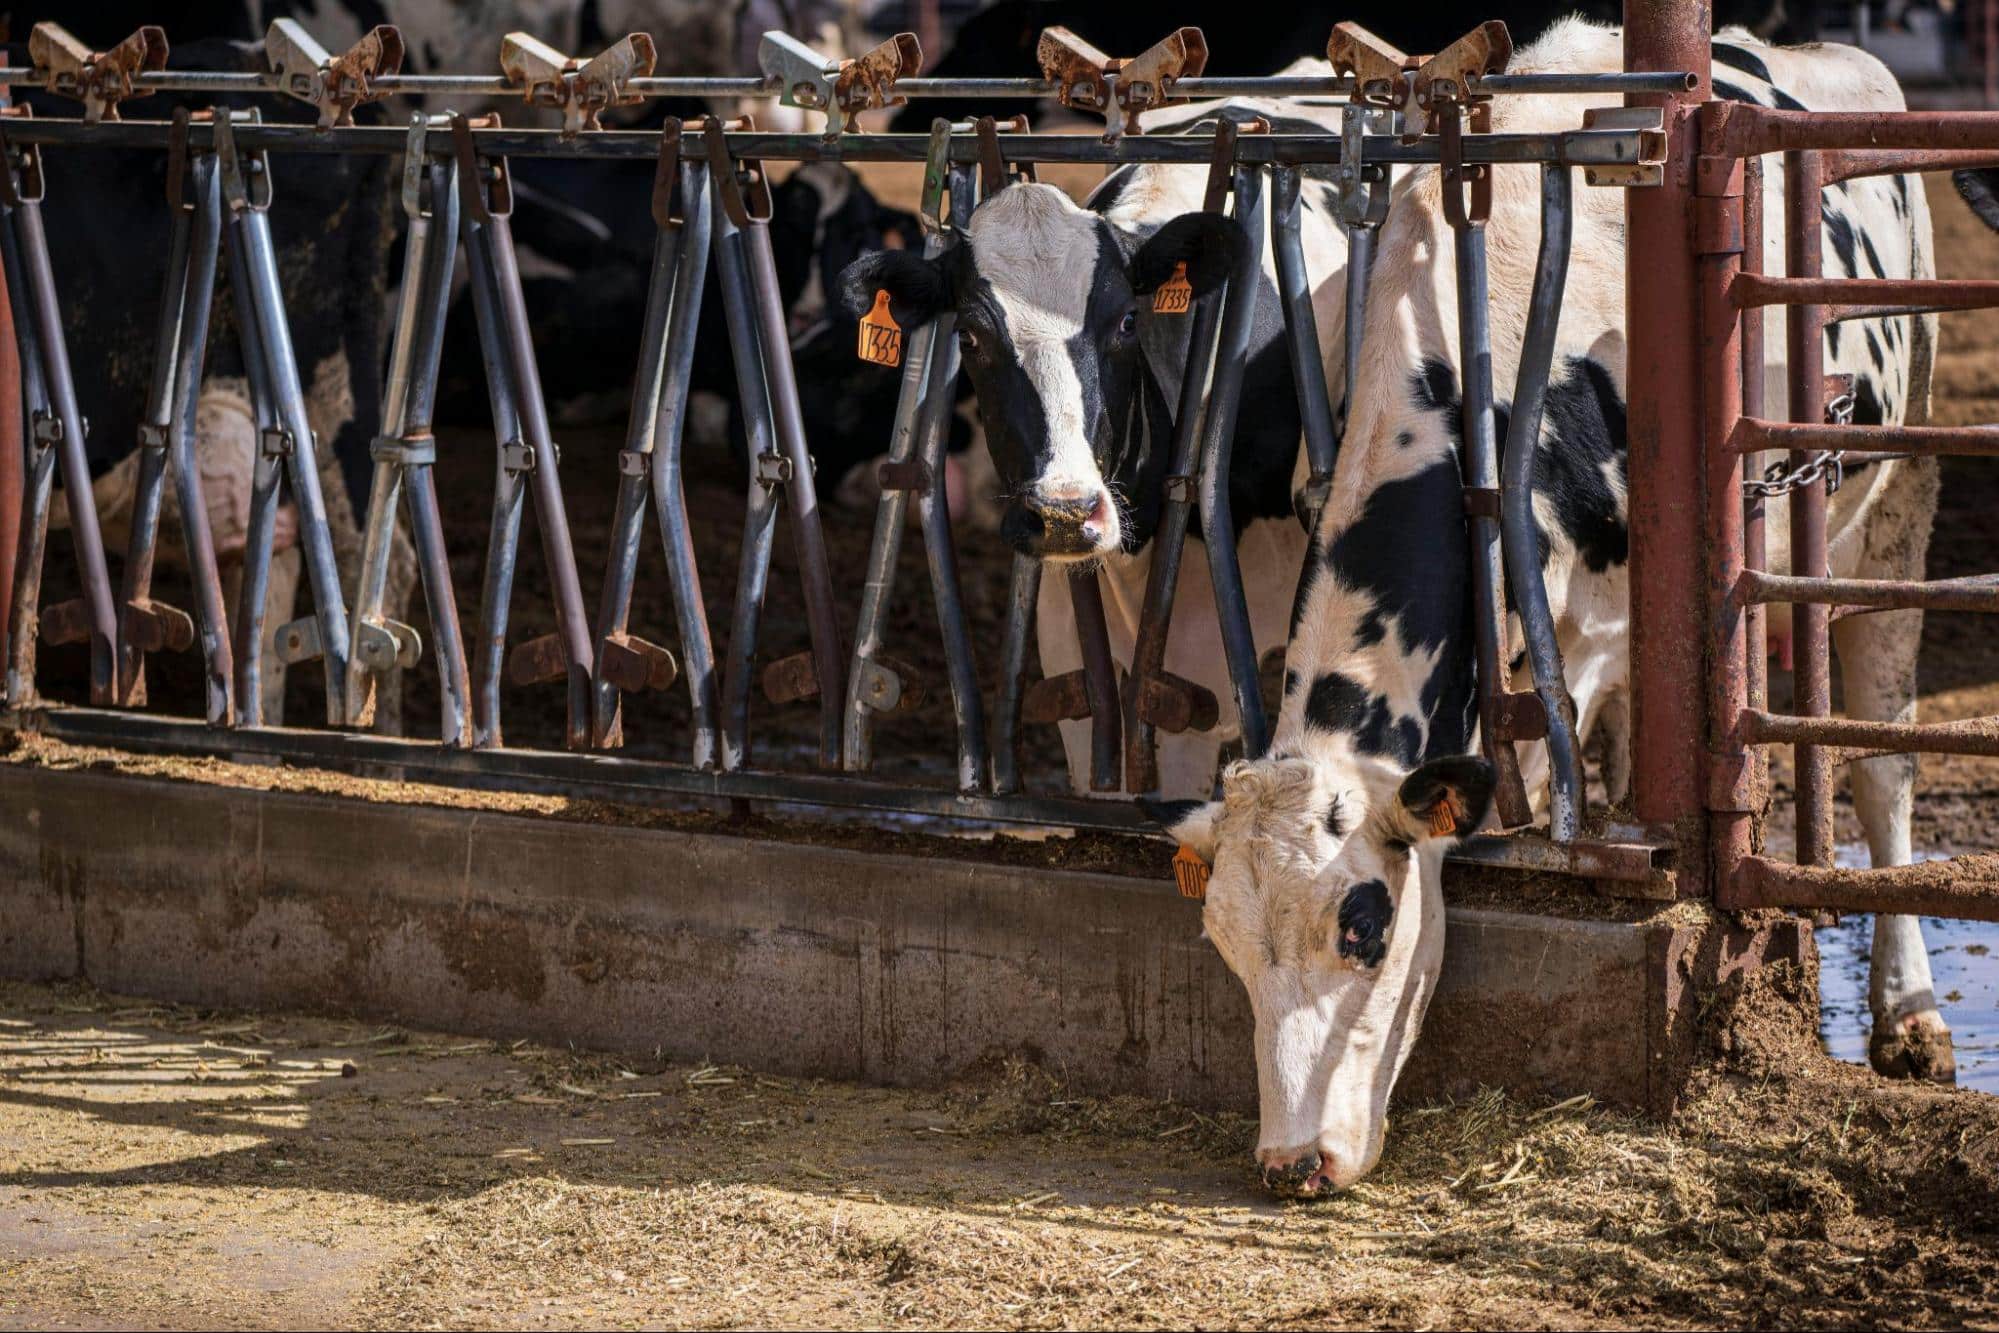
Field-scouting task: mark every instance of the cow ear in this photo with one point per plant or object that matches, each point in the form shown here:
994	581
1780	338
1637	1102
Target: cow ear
1190	823
1207	243
1445	798
917	289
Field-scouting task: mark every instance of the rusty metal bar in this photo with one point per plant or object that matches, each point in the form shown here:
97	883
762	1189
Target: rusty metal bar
1975	593
1753	434
1966	887
1745	129
1810	623
1878	295
1858	739
1845	164
13	455
1666	460
1755	545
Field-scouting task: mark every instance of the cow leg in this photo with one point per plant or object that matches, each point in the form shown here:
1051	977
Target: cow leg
1877	661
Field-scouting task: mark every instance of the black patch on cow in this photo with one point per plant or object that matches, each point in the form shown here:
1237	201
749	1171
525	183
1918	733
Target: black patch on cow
1839	233
1404	440
1875	266
1335	819
1874	348
1730	92
1106	196
1167	814
1365	912
1339	704
1370	630
1290	681
1735	57
1867	402
1582	433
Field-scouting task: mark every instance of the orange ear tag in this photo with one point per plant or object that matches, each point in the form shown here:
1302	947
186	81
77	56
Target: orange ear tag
1190	872
1175	294
881	336
1444	817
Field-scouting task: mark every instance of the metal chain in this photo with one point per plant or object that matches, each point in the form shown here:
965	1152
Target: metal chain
1827	464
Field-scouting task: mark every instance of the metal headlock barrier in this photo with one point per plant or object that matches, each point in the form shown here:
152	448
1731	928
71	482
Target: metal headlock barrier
711	202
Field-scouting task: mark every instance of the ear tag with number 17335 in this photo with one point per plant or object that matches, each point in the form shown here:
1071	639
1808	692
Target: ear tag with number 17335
880	336
1175	294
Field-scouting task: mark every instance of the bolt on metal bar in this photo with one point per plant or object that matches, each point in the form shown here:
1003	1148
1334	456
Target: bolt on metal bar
1520	539
1217	450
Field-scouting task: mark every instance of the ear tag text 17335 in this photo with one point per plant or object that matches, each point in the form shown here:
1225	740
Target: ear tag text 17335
881	336
1175	294
1444	816
1190	872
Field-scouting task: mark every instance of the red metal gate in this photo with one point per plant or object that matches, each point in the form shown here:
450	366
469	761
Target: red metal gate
1697	424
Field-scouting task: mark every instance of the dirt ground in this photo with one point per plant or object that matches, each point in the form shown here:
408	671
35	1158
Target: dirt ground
166	1167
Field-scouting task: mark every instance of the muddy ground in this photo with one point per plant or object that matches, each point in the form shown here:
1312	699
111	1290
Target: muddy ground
167	1167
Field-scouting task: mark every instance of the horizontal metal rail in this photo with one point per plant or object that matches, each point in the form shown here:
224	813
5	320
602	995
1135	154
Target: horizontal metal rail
1963	886
644	782
1754	435
1976	737
1976	593
1880	295
1743	130
1589	148
755	86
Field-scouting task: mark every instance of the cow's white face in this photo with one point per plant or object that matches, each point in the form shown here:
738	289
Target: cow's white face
1052	312
1325	899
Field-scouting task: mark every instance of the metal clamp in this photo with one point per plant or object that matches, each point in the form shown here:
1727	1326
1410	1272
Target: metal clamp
581	89
484	183
995	171
98	79
516	457
1649	123
669	209
416	450
335	85
933	211
1086	79
1361	190
741	184
416	161
1418	87
772	469
21	179
843	89
1467	186
276	442
244	186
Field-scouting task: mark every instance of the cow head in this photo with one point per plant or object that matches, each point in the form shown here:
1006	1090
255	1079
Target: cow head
1052	327
1325	900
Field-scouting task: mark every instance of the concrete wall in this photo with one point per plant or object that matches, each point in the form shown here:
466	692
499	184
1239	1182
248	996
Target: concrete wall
788	957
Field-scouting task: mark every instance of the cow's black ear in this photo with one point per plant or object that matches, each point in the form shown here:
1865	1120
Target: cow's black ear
1207	243
1190	823
1446	798
917	288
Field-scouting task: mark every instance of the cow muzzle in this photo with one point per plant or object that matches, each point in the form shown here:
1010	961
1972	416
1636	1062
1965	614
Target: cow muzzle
1306	1173
1061	523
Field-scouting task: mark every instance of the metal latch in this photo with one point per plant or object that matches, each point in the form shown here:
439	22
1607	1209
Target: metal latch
582	89
1385	76
843	89
333	84
1648	123
98	79
1086	79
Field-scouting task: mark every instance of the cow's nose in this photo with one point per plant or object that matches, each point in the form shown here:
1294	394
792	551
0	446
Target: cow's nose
1057	522
1288	1173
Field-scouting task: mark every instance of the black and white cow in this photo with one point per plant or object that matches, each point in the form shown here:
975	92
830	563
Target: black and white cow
1325	897
1077	382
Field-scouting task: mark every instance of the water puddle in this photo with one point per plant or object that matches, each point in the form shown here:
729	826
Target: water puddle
1964	958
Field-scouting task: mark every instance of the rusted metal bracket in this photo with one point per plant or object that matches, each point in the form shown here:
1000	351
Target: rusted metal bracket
843	89
633	664
1120	90
1420	87
335	85
580	89
21	179
995	171
1174	704
1649	122
485	185
790	680
537	661
246	182
1063	698
669	209
98	79
890	685
380	647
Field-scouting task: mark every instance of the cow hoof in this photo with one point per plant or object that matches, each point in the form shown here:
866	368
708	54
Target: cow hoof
1364	916
1916	1046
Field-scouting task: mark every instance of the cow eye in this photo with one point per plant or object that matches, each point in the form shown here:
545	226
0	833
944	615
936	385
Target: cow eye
1129	324
967	340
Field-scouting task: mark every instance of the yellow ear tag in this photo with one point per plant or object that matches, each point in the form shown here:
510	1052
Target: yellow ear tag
1190	872
881	336
1444	817
1175	294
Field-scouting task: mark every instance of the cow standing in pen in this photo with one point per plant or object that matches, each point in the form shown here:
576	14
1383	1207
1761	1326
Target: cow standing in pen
1076	378
1326	894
